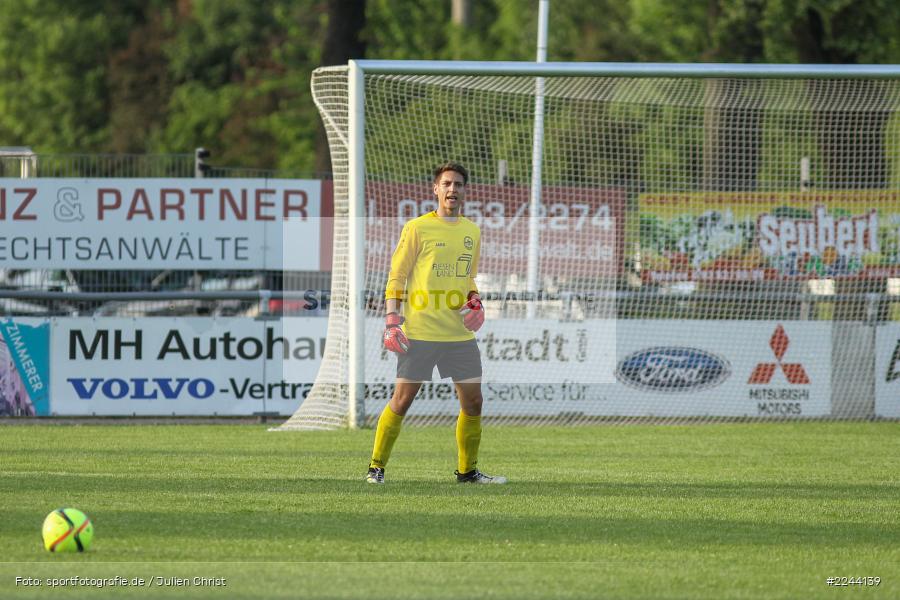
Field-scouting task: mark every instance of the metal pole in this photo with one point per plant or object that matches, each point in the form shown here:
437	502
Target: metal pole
356	248
537	152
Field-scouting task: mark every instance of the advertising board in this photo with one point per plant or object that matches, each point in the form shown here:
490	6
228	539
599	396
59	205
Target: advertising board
161	223
757	236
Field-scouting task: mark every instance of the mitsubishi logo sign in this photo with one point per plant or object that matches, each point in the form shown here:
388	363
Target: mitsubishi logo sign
794	372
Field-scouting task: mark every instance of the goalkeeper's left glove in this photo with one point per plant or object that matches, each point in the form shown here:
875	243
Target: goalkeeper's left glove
394	338
473	312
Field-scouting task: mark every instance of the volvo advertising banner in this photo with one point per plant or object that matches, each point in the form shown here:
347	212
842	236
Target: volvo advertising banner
184	366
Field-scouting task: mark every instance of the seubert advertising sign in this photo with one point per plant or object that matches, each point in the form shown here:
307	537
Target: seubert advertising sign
161	223
756	236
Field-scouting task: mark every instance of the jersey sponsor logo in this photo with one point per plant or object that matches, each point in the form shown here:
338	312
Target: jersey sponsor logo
673	369
443	269
463	265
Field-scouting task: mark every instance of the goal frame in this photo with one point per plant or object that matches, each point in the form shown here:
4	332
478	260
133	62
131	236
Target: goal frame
357	69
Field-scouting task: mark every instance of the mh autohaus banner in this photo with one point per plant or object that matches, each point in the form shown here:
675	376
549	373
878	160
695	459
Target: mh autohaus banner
160	223
184	366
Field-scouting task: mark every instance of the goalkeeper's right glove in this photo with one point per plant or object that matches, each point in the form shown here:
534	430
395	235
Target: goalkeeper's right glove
394	338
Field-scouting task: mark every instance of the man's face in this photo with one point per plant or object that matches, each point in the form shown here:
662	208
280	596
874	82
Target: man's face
450	190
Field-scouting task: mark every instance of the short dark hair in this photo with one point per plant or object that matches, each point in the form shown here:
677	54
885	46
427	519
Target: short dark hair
451	166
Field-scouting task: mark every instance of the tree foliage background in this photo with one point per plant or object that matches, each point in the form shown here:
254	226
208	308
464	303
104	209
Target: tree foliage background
166	76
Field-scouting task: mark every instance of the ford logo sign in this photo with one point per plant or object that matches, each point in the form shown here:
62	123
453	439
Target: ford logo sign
673	369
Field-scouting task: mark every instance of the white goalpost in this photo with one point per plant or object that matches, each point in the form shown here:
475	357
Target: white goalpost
711	241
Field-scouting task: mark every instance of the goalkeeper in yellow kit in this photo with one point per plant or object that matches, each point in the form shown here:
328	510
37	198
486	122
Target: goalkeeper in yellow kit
432	279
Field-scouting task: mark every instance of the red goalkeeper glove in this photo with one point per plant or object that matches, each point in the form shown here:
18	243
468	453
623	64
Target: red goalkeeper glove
394	338
473	312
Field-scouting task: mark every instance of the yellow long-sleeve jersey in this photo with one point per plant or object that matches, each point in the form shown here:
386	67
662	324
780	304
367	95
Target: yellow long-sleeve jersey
432	272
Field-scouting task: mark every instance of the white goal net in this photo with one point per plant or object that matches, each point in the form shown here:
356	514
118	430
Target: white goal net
707	248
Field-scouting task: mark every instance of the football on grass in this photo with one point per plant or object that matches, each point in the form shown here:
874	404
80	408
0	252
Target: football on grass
67	530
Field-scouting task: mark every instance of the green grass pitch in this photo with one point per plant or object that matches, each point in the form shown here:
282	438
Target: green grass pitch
705	511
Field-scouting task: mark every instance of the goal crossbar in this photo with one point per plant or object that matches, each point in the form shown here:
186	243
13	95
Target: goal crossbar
613	69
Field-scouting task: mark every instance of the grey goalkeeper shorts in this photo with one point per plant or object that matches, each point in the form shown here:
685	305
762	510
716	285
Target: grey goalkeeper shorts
457	360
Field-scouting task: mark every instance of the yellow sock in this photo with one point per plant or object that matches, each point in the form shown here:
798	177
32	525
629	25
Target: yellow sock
468	438
385	435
